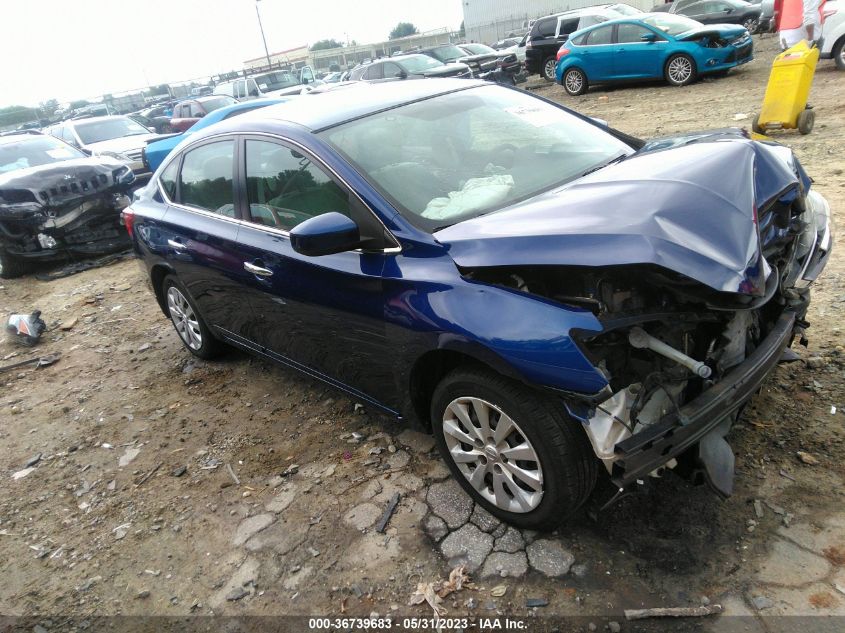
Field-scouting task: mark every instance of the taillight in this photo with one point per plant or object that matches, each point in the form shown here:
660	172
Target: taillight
562	51
128	216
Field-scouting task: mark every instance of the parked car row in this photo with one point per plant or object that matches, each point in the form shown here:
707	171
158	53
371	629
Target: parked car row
481	262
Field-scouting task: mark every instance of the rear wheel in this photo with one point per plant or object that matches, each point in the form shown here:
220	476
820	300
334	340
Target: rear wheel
680	70
575	82
549	69
839	54
805	121
514	451
187	320
11	267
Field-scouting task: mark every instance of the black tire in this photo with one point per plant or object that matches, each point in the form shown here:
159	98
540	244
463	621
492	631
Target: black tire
209	347
677	77
755	125
805	121
548	65
575	82
566	459
11	267
838	53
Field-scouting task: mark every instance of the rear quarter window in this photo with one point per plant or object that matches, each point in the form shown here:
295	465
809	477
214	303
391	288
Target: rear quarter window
545	28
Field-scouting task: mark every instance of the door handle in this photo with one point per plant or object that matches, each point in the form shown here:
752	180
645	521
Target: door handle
177	245
258	270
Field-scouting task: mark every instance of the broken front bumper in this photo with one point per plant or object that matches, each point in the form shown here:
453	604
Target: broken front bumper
655	445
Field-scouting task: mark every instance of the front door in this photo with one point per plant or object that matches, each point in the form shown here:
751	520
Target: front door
634	56
325	314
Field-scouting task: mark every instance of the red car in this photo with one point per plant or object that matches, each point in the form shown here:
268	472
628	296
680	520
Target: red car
188	112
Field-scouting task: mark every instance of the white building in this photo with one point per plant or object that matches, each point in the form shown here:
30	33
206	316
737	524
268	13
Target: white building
490	20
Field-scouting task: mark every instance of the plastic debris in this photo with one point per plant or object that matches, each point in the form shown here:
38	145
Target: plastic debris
26	329
673	612
388	512
498	591
807	458
39	362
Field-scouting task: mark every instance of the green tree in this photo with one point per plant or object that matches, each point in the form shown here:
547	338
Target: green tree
323	45
403	29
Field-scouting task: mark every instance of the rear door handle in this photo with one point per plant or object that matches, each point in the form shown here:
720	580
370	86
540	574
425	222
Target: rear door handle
258	270
176	244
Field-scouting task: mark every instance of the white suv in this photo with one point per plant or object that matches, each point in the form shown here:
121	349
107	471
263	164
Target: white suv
833	33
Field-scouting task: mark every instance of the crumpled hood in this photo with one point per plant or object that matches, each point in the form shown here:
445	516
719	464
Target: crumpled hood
726	31
689	208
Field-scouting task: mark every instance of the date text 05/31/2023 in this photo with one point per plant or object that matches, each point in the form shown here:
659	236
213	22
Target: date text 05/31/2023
418	624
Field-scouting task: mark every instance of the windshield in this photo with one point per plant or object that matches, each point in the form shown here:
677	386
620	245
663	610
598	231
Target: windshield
448	53
624	9
419	63
671	24
479	49
275	81
216	103
463	154
107	129
33	150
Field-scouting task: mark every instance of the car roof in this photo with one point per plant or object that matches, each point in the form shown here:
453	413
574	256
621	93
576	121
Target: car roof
598	8
16	136
94	119
323	108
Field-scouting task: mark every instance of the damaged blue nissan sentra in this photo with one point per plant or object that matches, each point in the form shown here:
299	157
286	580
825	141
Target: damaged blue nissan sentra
549	297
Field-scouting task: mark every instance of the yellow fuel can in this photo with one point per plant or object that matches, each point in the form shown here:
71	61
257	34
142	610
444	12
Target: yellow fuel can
785	103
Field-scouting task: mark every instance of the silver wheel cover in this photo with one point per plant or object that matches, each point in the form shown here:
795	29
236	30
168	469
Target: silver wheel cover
550	69
574	81
680	69
493	453
184	318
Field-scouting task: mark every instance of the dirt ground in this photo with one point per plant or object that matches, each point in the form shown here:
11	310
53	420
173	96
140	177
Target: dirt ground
168	531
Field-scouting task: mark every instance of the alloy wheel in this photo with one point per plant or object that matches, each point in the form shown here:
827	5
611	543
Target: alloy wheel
574	82
184	318
680	69
750	24
549	69
492	452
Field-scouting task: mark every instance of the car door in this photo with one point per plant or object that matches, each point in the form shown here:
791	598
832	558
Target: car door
199	236
636	57
597	52
375	71
703	12
324	315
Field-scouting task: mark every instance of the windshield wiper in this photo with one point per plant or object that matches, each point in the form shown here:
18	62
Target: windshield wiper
615	159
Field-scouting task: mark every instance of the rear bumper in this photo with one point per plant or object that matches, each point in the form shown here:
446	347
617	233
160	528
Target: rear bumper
653	447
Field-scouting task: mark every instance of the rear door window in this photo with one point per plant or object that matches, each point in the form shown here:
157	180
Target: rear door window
600	36
205	181
376	71
631	33
546	27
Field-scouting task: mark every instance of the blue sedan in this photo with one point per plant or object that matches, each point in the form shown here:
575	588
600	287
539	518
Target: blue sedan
547	296
154	153
650	46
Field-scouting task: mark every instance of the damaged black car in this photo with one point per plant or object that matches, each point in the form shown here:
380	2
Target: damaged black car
57	203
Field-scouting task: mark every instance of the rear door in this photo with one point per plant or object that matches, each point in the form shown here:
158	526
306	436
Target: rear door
636	57
199	235
324	315
597	53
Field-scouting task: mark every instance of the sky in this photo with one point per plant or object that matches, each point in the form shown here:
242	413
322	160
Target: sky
81	49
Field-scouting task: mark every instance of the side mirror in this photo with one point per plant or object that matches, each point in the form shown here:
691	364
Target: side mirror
402	74
649	37
325	234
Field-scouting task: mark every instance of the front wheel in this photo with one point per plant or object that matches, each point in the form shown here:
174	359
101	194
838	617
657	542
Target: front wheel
11	267
839	54
187	320
549	69
750	24
680	70
515	451
575	82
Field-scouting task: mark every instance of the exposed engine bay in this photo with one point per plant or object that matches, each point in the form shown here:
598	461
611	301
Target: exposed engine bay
668	339
64	209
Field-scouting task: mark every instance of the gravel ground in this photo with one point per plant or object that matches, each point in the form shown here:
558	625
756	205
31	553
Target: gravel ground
171	486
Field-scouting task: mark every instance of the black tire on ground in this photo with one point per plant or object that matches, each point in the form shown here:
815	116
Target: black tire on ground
805	121
575	82
548	68
11	267
563	452
755	125
208	347
838	53
680	70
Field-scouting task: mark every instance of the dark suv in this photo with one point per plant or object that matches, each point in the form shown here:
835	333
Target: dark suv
548	33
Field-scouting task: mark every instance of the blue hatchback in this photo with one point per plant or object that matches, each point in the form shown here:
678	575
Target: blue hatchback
547	296
155	153
650	46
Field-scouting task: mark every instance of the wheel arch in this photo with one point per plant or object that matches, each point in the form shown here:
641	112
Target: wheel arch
157	275
432	366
